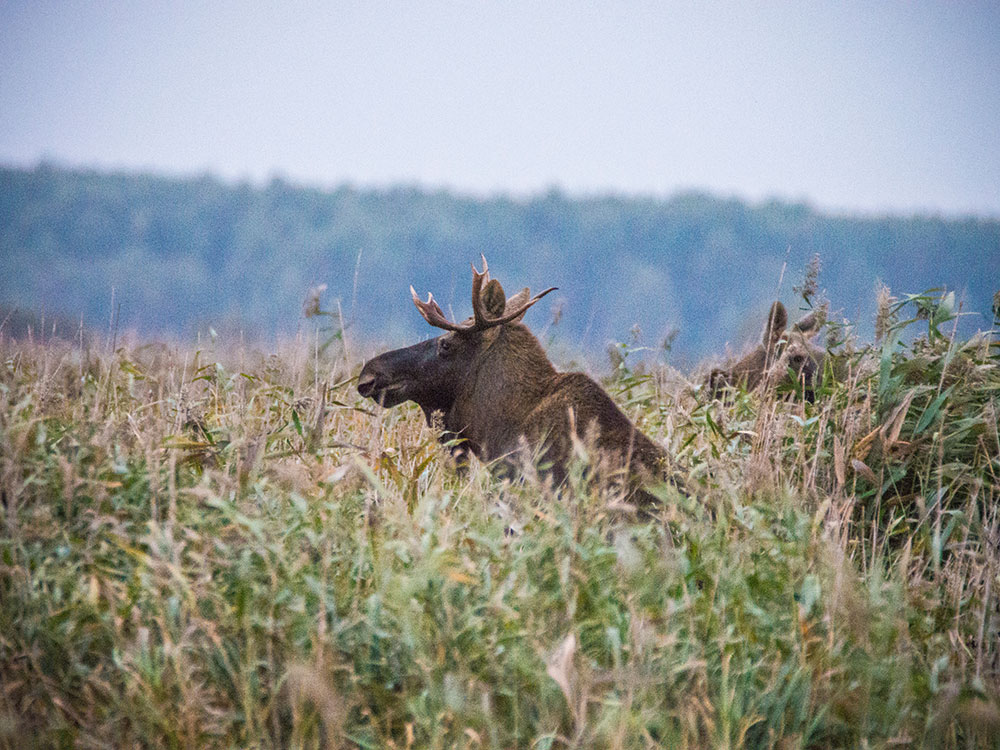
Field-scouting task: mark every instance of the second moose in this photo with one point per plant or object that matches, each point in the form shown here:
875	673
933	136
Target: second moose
779	352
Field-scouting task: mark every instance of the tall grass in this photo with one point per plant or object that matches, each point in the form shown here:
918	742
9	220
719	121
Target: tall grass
204	549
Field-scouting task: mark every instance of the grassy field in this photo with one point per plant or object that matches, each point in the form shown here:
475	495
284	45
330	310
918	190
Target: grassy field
221	549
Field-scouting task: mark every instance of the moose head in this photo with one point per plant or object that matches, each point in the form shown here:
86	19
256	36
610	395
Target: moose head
781	349
494	387
432	372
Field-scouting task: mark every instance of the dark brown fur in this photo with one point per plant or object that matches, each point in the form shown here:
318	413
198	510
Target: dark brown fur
497	390
779	351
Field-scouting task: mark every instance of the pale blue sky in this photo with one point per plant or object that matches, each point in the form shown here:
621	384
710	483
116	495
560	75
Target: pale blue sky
858	106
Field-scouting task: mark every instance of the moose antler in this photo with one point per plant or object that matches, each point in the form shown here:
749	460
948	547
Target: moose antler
433	314
478	280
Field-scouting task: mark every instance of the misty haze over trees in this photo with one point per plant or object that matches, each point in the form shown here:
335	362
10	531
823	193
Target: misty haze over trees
186	254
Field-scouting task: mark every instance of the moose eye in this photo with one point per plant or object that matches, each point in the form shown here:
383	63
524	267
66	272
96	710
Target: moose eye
445	347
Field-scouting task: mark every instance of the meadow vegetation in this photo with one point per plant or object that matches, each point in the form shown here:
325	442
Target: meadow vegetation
215	548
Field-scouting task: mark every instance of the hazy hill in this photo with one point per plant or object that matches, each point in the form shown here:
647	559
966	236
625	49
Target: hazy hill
187	253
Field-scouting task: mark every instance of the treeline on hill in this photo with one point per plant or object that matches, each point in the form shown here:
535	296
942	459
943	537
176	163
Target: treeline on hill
171	256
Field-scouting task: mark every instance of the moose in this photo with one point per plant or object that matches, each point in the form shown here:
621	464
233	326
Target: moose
779	351
497	392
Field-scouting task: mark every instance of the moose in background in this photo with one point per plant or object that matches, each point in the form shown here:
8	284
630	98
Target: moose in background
780	350
495	389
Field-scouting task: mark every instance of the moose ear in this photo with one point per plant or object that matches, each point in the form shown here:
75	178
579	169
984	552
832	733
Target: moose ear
494	300
777	320
521	298
518	300
810	324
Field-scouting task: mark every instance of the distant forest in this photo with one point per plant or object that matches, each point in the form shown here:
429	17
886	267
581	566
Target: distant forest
183	255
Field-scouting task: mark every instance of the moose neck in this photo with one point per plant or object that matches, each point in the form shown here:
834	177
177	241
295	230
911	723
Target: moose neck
510	378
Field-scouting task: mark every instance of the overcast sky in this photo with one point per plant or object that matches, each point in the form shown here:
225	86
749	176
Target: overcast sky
859	106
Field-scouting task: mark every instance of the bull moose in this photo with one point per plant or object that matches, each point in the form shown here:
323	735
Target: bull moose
780	350
496	390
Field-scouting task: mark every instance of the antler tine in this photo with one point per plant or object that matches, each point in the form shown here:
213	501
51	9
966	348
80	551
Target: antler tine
478	279
432	312
486	268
